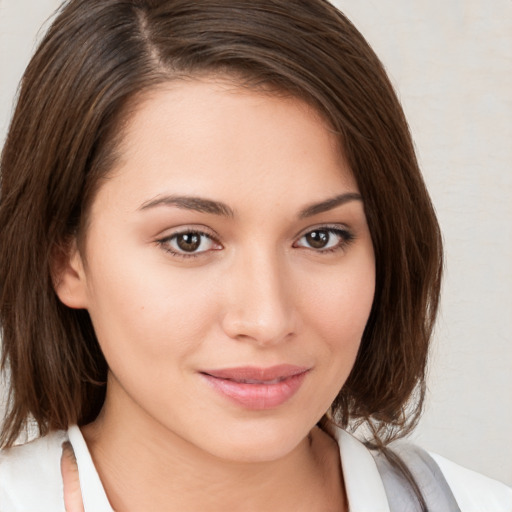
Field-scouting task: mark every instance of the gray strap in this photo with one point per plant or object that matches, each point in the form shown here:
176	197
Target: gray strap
434	488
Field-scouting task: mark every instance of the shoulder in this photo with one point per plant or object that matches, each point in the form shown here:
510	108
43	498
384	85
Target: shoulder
474	492
30	477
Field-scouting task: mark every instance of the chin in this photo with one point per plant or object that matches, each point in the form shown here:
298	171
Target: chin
255	443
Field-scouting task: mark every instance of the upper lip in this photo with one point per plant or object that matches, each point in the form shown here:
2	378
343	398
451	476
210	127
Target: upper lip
257	374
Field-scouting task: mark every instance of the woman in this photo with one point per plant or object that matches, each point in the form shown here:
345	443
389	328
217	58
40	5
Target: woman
217	252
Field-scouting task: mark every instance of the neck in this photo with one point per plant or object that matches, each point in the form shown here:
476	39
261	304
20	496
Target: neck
138	458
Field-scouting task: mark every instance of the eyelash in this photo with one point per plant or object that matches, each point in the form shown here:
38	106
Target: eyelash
346	237
165	243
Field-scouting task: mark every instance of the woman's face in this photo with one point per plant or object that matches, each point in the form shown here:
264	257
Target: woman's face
228	269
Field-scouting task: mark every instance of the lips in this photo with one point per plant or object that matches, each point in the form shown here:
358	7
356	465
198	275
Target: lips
257	388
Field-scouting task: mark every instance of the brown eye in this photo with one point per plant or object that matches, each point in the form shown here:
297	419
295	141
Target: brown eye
318	239
188	242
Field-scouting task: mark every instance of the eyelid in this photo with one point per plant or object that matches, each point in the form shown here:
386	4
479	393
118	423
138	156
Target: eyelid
187	228
326	227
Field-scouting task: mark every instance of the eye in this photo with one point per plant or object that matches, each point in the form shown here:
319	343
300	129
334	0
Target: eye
325	239
189	243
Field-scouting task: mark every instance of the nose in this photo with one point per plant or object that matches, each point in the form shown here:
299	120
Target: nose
259	305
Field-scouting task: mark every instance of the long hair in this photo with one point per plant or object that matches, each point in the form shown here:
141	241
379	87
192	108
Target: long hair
97	58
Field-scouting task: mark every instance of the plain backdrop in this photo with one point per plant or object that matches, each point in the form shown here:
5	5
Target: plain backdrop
451	62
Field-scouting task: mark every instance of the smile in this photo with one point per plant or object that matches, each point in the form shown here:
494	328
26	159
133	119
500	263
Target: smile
257	388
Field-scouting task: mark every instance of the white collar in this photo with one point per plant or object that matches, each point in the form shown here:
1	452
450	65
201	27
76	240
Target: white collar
363	484
93	493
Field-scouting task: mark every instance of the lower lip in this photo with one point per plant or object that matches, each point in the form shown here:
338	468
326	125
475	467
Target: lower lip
258	396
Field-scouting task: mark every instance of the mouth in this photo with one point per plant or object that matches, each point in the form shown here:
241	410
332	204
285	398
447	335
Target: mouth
257	388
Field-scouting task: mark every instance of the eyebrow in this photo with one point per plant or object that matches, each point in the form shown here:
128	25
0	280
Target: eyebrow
197	204
203	205
329	204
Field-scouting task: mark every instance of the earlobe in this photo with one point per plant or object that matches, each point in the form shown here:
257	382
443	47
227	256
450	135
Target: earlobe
68	276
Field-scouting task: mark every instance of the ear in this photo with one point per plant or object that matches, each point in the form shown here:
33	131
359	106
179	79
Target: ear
68	276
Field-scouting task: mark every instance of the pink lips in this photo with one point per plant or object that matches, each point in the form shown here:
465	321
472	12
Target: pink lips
257	388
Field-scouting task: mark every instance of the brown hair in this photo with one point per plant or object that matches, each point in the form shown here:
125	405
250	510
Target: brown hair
95	59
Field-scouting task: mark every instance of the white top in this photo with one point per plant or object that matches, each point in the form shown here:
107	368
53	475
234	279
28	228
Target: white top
30	478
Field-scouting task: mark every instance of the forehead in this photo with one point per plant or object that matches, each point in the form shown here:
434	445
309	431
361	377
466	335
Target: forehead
214	137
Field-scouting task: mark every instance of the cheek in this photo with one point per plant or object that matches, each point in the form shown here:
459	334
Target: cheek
340	307
136	308
335	306
346	313
338	311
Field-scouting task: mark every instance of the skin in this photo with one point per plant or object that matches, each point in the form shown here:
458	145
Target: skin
255	293
70	480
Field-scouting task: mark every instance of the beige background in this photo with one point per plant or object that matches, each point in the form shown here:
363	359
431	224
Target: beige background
451	62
